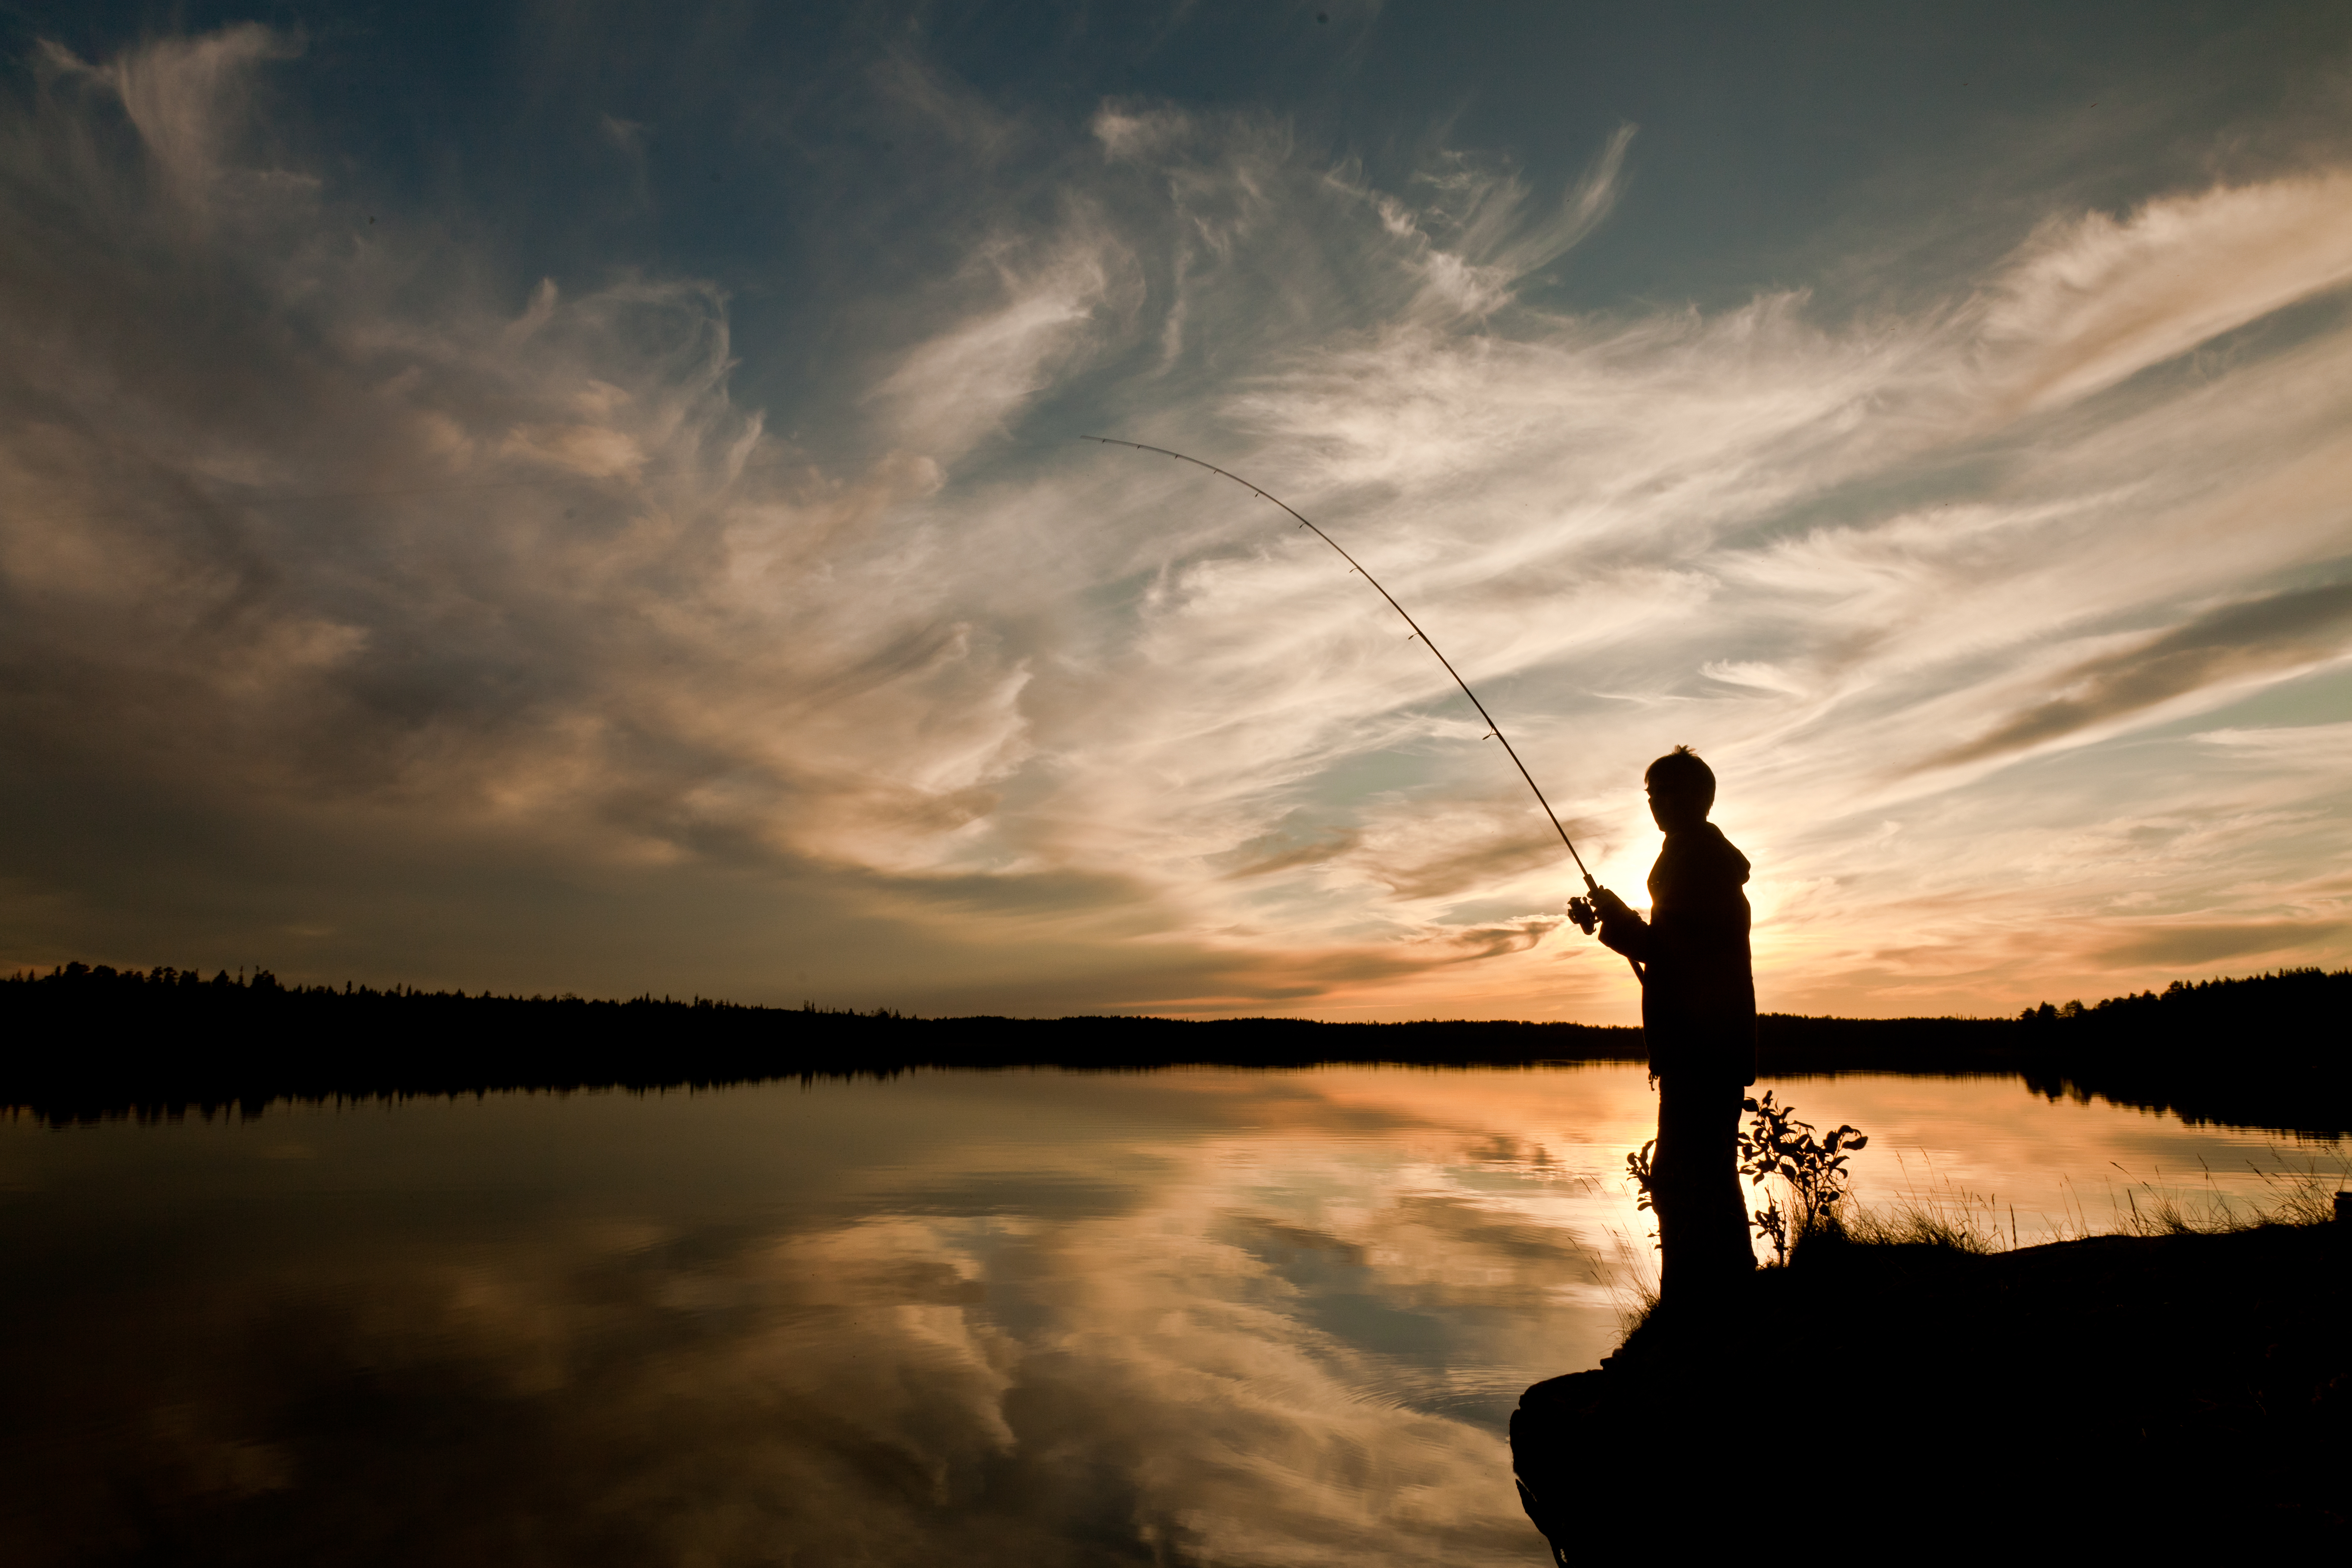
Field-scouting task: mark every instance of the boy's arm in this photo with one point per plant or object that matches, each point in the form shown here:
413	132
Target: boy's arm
1622	930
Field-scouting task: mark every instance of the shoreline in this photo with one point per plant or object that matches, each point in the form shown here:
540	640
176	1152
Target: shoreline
2102	1393
92	1044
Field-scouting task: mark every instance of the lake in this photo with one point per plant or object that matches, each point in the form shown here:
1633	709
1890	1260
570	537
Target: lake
1010	1317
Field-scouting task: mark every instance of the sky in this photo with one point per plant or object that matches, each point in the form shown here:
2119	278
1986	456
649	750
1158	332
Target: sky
590	498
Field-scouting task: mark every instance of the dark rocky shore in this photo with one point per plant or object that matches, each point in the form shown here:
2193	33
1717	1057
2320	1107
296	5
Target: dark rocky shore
2153	1394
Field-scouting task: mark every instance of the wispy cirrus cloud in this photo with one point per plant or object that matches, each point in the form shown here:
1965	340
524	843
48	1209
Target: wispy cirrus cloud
307	520
2239	642
2095	299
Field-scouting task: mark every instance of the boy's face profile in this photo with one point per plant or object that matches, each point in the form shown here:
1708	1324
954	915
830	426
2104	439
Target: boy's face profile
1675	810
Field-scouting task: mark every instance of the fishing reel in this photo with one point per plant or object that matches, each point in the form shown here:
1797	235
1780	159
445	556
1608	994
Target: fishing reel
1587	918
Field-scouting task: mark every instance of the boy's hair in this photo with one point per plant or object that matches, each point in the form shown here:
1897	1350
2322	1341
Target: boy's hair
1680	772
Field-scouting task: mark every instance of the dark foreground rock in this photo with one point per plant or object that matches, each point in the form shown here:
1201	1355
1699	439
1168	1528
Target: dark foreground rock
2151	1394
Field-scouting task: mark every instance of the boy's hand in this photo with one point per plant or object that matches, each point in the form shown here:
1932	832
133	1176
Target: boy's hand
1587	913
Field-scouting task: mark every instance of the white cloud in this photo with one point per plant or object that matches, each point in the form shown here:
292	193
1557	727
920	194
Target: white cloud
2094	300
554	583
967	383
2311	747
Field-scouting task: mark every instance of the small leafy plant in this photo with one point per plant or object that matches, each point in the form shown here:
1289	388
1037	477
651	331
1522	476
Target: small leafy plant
1774	1225
1812	1168
1637	1171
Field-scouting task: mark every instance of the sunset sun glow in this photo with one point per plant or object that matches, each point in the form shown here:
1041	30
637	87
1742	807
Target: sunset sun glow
479	531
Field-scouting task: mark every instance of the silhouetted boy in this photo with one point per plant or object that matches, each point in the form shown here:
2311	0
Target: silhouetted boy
1698	1021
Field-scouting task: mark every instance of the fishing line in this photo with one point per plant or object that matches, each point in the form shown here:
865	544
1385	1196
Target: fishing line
1494	730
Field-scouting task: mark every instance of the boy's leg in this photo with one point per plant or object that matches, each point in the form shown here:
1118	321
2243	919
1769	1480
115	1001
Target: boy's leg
1694	1184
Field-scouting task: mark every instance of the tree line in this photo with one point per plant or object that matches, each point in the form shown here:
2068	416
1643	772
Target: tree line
2271	1050
86	1041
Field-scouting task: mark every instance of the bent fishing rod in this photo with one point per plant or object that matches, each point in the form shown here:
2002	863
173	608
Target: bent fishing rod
1494	730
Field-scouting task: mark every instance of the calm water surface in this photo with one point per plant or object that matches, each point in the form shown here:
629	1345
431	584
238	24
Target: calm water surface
1031	1318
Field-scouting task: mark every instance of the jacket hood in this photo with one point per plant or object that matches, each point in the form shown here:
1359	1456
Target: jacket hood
1704	846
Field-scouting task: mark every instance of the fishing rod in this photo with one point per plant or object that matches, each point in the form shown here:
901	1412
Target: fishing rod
1494	730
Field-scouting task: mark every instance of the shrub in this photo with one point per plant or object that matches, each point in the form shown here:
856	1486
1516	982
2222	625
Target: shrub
1812	1168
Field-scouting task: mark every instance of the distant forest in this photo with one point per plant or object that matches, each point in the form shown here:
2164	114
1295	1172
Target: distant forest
85	1043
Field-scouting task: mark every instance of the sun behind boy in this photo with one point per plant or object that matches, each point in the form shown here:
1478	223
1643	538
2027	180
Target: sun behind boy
1698	1023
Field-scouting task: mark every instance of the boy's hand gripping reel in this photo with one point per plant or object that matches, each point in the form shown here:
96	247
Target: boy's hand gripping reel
1586	912
1581	909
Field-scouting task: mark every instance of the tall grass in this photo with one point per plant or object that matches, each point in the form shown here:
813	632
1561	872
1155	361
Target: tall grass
2289	1196
1939	1213
1632	1284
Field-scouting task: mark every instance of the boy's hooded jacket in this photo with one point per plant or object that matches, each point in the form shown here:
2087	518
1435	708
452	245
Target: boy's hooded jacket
1698	992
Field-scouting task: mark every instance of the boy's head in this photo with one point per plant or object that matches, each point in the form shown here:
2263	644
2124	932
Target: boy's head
1682	789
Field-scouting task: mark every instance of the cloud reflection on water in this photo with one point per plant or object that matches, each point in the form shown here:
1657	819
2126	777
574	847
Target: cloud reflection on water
1192	1316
